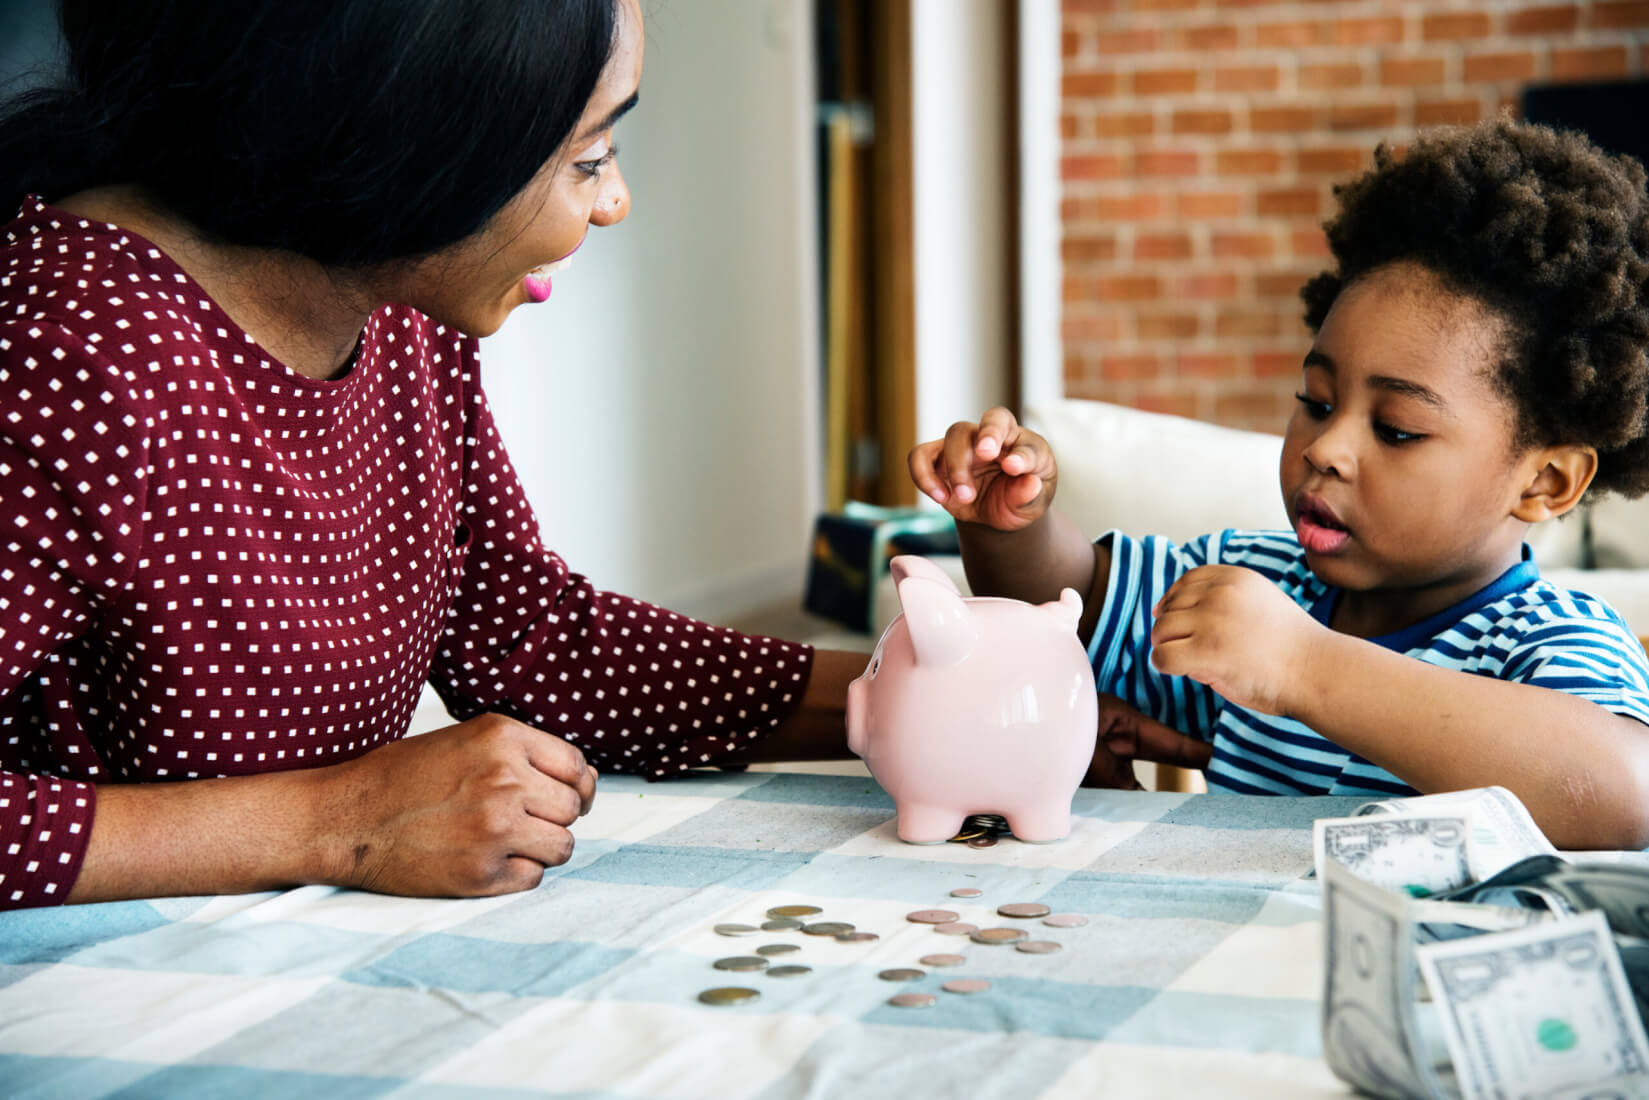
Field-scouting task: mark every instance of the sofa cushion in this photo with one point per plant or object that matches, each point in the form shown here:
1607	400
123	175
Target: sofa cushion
1620	533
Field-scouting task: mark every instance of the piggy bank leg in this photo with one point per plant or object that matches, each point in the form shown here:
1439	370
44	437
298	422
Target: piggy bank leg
920	824
1040	824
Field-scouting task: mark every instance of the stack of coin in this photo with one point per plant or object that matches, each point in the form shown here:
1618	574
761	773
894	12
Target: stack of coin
982	830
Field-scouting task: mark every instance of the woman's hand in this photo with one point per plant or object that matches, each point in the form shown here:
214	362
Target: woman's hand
1126	735
482	807
995	472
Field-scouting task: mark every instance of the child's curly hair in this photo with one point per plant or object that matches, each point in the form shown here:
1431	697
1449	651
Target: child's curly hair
1552	234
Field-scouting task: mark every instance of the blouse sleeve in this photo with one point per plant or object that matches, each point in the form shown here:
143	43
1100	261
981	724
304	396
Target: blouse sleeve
72	491
639	689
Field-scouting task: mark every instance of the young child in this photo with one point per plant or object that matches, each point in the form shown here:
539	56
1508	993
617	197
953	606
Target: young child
1479	366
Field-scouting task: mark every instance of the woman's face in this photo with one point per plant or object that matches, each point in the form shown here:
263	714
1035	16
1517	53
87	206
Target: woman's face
474	285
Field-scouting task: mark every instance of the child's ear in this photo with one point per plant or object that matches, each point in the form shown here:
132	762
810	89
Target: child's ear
1560	477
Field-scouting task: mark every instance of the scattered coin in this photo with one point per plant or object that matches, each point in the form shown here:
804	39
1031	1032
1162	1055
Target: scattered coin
741	962
931	916
1039	947
942	960
728	995
827	928
902	974
956	928
966	892
769	950
1024	909
1065	920
735	929
966	985
781	924
982	842
857	937
997	935
912	1000
794	911
789	971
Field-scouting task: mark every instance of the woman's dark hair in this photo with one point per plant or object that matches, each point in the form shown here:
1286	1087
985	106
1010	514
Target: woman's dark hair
351	131
1552	235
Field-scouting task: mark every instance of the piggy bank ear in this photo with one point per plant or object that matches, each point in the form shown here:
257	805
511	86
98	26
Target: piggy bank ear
942	629
909	565
1067	609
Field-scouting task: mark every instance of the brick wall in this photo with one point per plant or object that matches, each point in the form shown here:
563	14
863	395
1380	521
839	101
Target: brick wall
1201	141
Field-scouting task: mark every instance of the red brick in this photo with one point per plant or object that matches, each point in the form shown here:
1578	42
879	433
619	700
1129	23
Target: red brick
1201	205
1070	44
1486	68
1163	81
1165	326
1342	74
1554	20
1366	32
1308	243
1213	36
1127	288
1114	367
1091	166
1175	402
1162	246
1217	121
1072	126
1206	365
1409	72
1088	249
1247	78
1076	288
1128	207
1256	408
1362	116
1080	209
1336	160
1208	286
1088	84
1454	26
1248	162
1165	5
1284	202
1280	284
1282	120
1090	7
1589	63
1090	329
1167	162
1286	35
1250	246
1278	364
1138	40
1621	14
1447	112
1245	324
1130	125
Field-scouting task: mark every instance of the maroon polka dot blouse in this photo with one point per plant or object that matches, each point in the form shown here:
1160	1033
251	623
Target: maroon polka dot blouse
212	566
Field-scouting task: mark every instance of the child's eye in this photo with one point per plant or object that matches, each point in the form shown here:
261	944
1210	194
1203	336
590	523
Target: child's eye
1394	436
1317	410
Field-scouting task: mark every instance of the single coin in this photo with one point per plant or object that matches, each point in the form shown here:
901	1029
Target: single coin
735	929
982	842
966	985
912	1000
1039	947
781	924
902	974
767	951
857	937
966	892
741	962
931	916
1065	920
794	911
827	928
1024	909
942	960
997	935
956	928
788	971
728	995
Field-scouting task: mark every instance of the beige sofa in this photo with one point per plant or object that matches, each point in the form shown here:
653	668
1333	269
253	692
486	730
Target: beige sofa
1148	473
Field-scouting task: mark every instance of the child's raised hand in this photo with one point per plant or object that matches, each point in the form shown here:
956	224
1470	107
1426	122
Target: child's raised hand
996	472
1230	628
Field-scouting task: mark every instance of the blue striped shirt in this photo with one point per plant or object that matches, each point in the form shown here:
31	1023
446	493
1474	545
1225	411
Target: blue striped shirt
1519	628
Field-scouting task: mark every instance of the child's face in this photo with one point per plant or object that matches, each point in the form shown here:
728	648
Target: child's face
1398	467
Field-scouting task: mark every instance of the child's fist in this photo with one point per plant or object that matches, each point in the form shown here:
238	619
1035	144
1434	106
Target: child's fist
996	472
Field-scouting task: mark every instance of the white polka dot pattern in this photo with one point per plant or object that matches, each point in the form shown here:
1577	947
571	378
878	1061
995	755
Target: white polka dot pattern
211	565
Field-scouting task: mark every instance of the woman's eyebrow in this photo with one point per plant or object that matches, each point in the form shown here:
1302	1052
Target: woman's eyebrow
611	120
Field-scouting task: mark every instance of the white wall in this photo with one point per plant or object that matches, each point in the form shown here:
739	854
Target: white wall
661	408
1042	356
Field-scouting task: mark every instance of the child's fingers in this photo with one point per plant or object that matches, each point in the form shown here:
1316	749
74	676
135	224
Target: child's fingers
957	457
924	473
997	429
1029	454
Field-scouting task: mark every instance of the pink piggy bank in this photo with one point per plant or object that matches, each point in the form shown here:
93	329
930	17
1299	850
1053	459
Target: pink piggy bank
975	705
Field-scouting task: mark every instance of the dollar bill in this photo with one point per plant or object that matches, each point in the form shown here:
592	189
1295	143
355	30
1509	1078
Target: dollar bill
1622	893
1419	855
1370	1030
1503	832
1539	1011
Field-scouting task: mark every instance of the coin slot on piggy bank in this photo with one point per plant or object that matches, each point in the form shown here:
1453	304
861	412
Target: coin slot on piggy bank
975	705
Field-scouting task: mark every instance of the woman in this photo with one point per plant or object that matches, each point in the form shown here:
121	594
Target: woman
252	494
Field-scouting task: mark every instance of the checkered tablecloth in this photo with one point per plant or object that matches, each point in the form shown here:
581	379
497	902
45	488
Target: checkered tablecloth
1198	973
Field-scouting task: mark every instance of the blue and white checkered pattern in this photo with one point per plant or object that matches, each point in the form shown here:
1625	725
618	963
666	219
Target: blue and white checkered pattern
1199	973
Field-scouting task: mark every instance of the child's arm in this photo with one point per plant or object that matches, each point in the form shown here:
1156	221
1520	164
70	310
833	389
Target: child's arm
1582	770
997	479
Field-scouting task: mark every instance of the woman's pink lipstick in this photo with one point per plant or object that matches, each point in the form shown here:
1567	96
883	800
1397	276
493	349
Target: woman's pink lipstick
537	281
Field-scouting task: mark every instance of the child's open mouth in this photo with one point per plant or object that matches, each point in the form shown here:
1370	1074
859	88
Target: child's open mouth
1320	530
